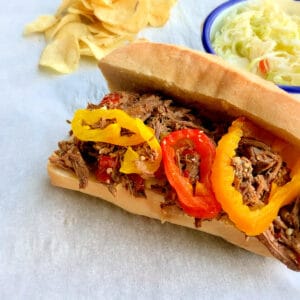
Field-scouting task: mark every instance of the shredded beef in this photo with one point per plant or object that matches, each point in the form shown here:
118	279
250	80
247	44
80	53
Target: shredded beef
135	184
256	168
142	107
167	118
198	222
283	236
161	115
170	199
88	152
188	163
69	157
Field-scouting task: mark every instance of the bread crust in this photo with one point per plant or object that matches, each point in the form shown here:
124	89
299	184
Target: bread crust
203	79
150	207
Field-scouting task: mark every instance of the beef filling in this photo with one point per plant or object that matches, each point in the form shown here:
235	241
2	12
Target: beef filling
188	162
69	157
256	167
283	236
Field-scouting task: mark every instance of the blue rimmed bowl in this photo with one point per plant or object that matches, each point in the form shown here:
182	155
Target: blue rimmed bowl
213	23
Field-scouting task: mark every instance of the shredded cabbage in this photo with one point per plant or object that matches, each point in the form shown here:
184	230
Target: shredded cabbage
263	39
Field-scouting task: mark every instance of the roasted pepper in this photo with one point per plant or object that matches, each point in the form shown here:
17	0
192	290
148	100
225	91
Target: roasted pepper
106	125
196	199
251	221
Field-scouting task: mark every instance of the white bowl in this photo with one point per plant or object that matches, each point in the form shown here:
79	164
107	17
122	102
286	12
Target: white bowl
215	20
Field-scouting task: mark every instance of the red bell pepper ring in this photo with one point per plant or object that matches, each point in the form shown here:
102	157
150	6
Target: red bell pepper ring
197	200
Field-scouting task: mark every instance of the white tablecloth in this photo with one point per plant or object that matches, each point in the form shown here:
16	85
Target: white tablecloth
58	244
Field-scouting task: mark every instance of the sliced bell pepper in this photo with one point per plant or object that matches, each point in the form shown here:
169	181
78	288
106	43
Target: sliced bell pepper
249	220
84	127
197	199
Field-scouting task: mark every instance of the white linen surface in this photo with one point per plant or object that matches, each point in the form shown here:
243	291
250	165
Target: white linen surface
59	244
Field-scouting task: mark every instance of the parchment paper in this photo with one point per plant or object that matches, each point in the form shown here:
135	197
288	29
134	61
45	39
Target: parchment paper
59	244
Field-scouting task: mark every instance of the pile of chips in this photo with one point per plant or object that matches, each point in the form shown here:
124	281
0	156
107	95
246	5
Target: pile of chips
94	28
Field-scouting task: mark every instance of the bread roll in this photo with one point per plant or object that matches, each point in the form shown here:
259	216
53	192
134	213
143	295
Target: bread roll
199	80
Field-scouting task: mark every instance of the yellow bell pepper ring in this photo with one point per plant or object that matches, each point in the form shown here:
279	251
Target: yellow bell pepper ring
86	126
252	221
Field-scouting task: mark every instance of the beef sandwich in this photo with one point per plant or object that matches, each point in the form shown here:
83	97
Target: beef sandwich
184	137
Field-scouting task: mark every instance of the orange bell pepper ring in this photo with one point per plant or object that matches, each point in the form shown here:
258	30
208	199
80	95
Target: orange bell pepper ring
252	221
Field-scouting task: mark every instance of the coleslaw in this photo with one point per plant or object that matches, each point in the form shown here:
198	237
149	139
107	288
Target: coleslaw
263	39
